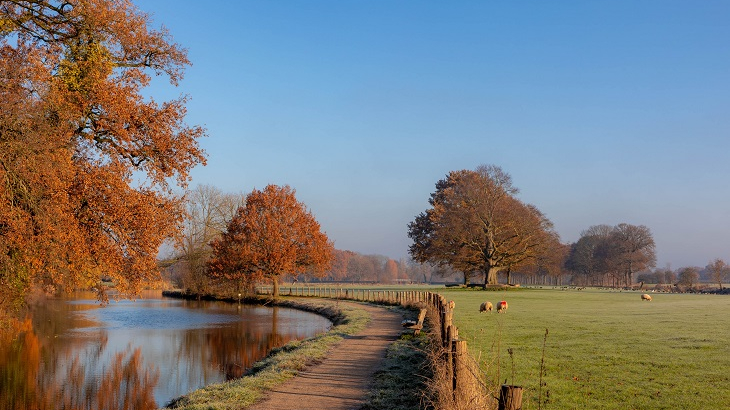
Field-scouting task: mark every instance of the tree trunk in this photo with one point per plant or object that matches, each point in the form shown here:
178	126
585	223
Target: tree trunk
491	277
275	292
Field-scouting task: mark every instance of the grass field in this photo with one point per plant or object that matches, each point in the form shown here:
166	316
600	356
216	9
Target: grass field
604	349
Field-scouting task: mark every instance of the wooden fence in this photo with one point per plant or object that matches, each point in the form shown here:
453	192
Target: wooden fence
467	384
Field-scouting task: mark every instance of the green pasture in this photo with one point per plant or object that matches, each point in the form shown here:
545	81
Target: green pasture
604	349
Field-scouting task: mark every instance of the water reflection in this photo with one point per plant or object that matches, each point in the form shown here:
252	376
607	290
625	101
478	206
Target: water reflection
73	354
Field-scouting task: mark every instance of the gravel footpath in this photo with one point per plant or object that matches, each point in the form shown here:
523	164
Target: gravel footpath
343	379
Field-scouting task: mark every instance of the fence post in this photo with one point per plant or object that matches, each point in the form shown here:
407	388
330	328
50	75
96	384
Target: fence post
510	397
449	354
459	355
448	315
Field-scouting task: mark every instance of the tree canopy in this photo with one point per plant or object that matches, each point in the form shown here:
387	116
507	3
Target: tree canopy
477	225
87	164
271	235
612	254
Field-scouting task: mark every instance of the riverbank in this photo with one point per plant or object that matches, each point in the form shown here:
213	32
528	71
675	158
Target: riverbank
352	323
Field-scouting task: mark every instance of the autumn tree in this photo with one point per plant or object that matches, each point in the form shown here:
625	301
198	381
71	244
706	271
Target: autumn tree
340	262
207	213
718	270
476	225
271	235
87	163
390	271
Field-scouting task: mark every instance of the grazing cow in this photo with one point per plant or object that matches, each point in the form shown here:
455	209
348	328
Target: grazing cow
646	297
486	306
501	306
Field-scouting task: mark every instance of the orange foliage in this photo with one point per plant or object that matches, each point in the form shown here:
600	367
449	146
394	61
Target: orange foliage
86	161
391	271
340	263
272	235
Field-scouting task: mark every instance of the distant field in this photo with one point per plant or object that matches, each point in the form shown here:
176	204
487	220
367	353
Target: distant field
605	350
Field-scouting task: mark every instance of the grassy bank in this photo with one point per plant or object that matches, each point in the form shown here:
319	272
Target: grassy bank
402	381
604	350
283	363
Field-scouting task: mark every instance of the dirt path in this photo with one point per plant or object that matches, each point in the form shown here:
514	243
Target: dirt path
343	379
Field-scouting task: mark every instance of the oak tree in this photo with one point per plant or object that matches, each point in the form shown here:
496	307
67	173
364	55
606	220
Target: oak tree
87	163
271	235
477	225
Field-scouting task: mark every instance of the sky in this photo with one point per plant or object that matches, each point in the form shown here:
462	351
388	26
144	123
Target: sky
602	112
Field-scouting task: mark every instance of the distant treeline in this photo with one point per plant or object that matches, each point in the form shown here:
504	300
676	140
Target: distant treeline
614	256
347	267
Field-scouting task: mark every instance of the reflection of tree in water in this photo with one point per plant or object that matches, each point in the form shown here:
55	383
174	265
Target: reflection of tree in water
46	364
35	384
20	360
233	348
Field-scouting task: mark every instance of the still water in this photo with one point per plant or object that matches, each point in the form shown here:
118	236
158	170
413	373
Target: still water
74	354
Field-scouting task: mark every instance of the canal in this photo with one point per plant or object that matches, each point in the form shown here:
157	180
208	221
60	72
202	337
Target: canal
73	353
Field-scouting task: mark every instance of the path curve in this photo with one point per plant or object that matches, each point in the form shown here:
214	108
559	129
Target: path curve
342	380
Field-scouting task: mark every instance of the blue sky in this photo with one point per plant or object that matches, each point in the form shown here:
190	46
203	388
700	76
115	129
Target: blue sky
602	112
